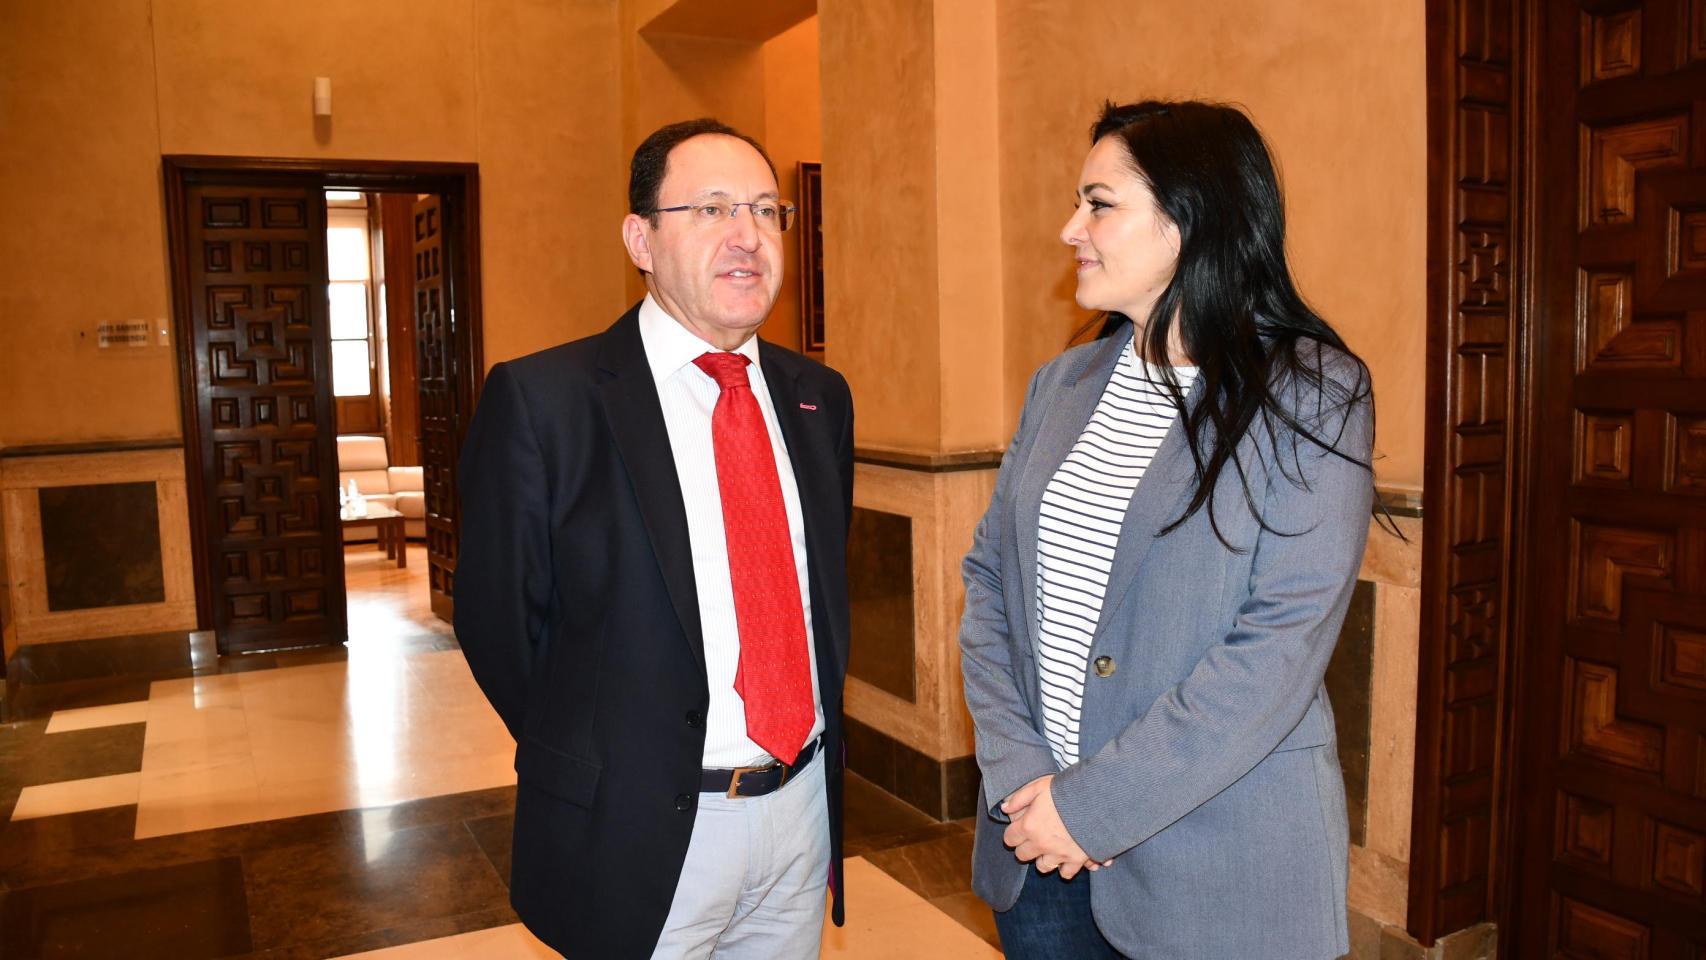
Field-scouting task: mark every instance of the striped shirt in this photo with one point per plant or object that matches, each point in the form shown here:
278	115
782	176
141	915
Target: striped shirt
1078	527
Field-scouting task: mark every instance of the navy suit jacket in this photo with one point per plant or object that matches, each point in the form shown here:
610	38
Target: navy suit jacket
576	608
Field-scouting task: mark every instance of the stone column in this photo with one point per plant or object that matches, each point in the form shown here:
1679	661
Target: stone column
912	281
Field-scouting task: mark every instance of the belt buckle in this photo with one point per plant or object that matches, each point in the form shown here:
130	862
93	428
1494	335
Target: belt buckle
734	781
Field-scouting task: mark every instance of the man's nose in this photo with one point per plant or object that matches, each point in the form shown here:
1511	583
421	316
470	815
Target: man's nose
743	231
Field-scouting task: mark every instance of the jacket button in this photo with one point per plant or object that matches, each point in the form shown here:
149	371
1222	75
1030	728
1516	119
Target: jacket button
695	719
684	802
1104	666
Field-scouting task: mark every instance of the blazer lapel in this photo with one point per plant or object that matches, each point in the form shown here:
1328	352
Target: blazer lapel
813	463
1154	504
635	415
1065	419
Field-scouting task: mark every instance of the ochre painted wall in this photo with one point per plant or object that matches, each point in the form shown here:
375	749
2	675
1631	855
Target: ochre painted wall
880	210
535	91
84	238
553	186
237	78
793	132
94	91
767	89
1338	88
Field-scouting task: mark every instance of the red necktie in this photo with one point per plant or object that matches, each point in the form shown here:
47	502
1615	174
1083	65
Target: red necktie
774	678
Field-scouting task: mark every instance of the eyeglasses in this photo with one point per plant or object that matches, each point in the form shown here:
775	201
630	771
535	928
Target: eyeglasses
770	215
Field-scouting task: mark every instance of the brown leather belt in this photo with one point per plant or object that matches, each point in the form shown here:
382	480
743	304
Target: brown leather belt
743	782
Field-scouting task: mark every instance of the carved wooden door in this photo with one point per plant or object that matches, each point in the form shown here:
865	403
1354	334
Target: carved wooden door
255	266
1611	796
438	366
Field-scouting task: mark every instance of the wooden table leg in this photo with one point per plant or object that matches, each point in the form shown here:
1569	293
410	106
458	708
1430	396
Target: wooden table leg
402	538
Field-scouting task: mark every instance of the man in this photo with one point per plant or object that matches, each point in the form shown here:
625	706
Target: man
651	589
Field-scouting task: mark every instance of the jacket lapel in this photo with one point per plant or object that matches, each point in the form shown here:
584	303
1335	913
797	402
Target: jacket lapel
1154	504
635	415
813	463
1062	423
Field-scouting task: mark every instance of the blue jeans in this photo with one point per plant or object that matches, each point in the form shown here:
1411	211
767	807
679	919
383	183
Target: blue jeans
1052	921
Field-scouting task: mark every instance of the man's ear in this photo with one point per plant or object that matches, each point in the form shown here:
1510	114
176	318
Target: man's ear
635	239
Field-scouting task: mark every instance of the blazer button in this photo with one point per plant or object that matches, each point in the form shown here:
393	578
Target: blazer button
695	719
684	802
1104	666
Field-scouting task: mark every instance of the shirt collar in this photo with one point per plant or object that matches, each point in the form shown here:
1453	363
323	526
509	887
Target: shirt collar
671	346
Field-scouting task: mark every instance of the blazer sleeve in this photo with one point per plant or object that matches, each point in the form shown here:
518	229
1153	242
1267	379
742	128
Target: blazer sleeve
1010	751
503	565
1250	689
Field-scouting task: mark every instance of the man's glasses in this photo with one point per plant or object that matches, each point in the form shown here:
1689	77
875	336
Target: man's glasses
771	215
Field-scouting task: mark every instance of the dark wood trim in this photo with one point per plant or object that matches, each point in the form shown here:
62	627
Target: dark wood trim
928	462
1398	503
176	173
1526	215
1478	270
88	447
401	176
812	332
458	183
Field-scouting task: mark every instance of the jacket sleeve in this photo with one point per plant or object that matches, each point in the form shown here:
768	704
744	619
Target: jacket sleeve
1250	689
1010	751
503	564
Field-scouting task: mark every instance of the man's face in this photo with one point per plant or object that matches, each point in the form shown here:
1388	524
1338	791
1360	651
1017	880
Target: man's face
716	276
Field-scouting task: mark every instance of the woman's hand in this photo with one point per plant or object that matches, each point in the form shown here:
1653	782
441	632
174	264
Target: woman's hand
1037	833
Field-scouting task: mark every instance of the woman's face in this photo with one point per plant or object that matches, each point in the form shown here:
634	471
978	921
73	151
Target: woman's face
1126	247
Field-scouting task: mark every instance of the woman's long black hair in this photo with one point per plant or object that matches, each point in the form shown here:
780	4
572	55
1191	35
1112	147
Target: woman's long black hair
1241	319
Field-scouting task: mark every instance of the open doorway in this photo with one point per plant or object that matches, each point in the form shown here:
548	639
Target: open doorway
284	305
381	246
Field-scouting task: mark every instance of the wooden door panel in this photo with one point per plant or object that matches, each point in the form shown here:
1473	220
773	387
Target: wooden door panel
1614	723
403	427
255	259
436	372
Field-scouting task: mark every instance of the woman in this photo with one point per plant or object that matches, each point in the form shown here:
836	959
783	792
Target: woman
1157	586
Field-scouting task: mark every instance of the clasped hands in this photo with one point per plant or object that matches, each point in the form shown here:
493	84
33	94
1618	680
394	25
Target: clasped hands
1037	834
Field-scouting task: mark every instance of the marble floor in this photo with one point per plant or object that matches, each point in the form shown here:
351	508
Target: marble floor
157	800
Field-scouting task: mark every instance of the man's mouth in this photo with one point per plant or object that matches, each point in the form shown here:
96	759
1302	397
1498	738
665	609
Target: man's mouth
1085	264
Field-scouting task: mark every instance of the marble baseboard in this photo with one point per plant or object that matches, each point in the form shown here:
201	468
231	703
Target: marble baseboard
944	789
1373	940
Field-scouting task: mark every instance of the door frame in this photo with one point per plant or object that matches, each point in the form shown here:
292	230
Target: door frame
459	186
1482	88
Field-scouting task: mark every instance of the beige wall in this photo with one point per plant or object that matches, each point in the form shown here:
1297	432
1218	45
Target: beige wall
85	236
94	91
552	188
1337	86
793	132
765	87
879	199
536	91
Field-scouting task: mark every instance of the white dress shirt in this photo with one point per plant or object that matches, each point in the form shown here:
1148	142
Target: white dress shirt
688	396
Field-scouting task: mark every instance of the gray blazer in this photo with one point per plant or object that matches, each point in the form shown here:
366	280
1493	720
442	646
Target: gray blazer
1210	772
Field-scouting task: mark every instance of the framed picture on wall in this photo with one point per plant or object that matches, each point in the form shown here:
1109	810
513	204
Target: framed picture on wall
811	257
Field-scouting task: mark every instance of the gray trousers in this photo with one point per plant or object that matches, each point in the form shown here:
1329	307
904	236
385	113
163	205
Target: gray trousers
756	876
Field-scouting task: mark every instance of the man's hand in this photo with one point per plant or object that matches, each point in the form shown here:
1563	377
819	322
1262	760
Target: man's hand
1037	834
